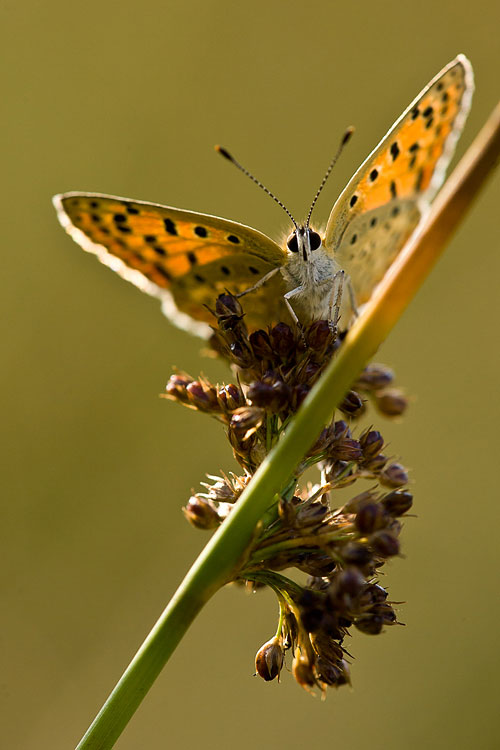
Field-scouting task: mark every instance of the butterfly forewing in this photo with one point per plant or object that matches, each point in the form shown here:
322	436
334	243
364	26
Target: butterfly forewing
184	258
381	206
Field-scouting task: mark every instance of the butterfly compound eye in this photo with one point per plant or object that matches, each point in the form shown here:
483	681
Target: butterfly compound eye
314	240
292	243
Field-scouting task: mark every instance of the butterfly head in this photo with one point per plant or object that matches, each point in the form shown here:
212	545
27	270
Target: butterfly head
303	241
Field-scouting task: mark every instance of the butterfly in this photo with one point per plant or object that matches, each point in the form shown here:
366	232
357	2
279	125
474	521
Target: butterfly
186	258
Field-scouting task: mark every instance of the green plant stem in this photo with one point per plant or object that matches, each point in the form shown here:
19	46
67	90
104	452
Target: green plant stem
225	552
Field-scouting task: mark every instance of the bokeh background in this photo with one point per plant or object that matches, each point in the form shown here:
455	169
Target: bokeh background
129	98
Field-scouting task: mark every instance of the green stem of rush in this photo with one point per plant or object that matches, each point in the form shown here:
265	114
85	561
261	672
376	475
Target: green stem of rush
225	552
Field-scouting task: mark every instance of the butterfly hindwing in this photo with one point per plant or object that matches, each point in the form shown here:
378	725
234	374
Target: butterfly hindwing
184	258
382	204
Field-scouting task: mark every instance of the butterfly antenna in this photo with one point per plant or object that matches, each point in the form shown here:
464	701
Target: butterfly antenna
345	139
227	155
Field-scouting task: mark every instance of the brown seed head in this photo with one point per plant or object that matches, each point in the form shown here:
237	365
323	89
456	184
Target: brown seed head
391	402
201	513
394	475
269	660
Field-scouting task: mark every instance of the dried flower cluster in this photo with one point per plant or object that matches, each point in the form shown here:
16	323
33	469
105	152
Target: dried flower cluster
341	549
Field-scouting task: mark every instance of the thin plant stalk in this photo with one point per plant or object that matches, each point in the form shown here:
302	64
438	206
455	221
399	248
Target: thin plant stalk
226	550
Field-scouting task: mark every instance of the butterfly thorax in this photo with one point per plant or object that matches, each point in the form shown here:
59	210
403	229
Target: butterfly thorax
309	272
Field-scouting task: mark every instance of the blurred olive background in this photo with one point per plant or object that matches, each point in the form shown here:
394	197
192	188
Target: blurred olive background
129	99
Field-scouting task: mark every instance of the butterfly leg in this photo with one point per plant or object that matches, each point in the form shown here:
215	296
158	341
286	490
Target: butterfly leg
259	283
287	297
336	300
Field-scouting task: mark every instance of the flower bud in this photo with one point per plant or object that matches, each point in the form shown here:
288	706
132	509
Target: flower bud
269	660
370	516
326	647
268	394
328	672
282	340
317	564
376	464
394	475
319	335
246	420
311	610
202	396
375	376
201	513
350	581
369	623
177	387
261	345
230	397
311	513
303	671
352	404
384	543
345	449
372	594
341	430
356	553
371	443
386	612
391	402
398	502
310	372
226	305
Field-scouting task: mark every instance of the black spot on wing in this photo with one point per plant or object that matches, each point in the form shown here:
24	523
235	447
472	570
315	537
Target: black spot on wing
394	151
160	250
163	272
170	227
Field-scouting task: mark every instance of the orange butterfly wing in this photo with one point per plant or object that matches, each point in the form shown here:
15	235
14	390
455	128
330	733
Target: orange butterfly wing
383	203
184	258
